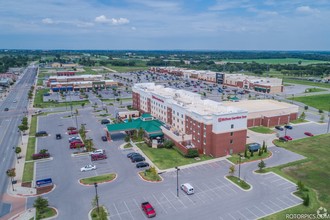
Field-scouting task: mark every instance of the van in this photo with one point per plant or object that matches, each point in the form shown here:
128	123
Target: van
187	188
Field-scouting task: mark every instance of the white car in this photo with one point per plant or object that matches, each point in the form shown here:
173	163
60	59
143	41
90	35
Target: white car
98	151
88	168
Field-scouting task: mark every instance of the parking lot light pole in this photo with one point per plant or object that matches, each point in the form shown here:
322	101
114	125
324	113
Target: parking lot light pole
328	121
97	199
177	181
239	167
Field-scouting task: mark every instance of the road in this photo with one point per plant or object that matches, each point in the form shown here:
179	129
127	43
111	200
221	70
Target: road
16	102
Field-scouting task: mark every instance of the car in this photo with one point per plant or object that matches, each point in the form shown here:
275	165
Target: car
58	136
282	139
279	128
148	209
105	121
132	154
98	157
289	138
98	151
71	128
142	164
309	134
41	133
14	101
77	145
71	139
6	109
288	127
75	141
88	168
104	138
72	132
137	159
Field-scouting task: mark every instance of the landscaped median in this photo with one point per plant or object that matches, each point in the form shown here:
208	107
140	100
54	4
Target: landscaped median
256	157
150	175
165	158
105	178
241	183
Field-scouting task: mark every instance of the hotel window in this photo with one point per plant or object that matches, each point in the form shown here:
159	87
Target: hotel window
231	141
231	133
204	126
232	126
204	141
204	133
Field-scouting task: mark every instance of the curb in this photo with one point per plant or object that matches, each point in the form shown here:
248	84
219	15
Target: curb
246	190
109	181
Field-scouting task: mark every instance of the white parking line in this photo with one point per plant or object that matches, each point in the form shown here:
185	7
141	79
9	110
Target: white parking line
178	199
267	206
231	216
244	217
139	208
252	213
283	202
275	204
116	210
128	210
260	210
169	202
159	203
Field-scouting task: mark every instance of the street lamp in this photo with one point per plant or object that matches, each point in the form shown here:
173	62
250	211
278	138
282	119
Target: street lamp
239	167
328	120
177	181
97	199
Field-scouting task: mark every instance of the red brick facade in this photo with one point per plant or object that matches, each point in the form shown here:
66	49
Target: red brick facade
169	116
136	100
272	121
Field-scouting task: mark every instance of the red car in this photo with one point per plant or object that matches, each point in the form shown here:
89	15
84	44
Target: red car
71	128
73	132
309	134
288	138
148	209
77	145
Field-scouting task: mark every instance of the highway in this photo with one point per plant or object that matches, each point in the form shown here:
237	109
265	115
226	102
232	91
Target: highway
17	103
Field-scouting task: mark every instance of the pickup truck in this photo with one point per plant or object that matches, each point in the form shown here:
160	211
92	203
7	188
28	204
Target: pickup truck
148	209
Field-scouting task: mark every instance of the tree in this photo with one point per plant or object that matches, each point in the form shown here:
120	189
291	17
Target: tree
261	165
11	173
40	204
23	127
83	104
260	151
306	200
263	145
232	170
126	139
300	186
18	150
251	153
306	107
140	133
168	144
302	116
245	152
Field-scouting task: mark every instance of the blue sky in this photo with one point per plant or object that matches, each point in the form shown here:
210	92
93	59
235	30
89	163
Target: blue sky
165	24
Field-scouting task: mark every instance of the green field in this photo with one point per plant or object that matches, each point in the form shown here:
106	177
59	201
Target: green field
168	158
306	82
28	172
262	130
314	172
275	61
309	90
316	101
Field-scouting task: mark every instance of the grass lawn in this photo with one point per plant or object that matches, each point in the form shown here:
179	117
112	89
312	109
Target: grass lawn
123	69
128	145
39	82
167	158
28	172
235	158
262	130
240	183
314	172
309	90
95	213
30	148
306	82
298	121
147	175
276	61
316	101
49	212
33	126
98	179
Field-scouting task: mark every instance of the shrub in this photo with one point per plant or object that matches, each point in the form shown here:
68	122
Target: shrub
168	144
192	153
306	200
126	139
320	111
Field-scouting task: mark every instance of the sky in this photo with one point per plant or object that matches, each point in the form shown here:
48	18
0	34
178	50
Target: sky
165	24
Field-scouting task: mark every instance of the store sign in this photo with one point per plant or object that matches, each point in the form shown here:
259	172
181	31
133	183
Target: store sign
231	118
43	182
158	99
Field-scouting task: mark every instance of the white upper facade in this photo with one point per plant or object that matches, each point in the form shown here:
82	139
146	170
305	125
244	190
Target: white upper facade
184	103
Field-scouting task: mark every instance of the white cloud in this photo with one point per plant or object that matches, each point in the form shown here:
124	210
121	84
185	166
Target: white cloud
307	10
115	21
133	28
47	21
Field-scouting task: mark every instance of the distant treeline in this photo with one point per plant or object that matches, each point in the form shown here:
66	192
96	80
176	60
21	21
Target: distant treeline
12	61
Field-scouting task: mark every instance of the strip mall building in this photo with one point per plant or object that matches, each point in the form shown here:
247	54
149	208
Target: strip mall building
214	128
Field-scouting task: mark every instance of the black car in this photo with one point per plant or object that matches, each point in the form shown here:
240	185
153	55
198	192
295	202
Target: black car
279	128
104	138
6	109
288	127
283	139
58	136
137	159
130	155
142	164
105	121
41	133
